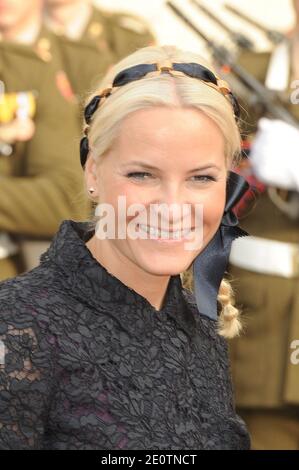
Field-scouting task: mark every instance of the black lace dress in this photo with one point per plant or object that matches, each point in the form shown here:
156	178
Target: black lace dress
89	364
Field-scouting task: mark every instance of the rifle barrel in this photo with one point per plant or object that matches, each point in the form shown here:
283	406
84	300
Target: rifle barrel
223	57
240	39
275	36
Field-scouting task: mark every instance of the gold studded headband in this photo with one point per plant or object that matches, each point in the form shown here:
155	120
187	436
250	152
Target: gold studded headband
191	69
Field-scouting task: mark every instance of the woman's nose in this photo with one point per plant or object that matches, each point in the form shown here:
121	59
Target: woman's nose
171	193
172	203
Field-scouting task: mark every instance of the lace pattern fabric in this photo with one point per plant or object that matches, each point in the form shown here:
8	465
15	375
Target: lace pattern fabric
90	364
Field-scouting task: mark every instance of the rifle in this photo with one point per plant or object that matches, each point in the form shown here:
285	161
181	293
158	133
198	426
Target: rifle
268	99
238	38
274	36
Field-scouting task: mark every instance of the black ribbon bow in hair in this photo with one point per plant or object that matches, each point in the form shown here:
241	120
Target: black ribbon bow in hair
209	266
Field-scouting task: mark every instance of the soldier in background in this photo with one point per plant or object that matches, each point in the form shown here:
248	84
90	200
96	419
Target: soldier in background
266	269
40	177
87	33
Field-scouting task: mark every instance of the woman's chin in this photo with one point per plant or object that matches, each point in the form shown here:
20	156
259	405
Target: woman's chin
162	265
163	259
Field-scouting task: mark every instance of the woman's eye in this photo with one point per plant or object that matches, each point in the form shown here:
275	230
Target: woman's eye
141	175
204	178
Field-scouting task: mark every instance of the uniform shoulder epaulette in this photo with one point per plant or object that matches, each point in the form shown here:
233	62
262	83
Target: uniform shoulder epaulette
131	22
43	48
125	20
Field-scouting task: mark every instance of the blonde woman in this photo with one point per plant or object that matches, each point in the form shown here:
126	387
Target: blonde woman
103	346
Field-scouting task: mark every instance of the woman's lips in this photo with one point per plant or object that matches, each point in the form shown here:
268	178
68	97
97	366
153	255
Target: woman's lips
169	236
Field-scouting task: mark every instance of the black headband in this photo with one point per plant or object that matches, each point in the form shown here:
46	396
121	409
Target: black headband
139	71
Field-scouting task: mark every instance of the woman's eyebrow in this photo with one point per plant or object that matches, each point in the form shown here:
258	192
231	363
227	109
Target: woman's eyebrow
142	164
207	166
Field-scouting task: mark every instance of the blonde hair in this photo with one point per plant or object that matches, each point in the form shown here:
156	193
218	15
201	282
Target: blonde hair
171	91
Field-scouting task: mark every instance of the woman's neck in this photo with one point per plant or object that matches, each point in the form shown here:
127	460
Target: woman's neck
152	287
68	19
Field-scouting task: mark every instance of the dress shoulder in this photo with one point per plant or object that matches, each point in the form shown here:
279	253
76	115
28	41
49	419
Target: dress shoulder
208	325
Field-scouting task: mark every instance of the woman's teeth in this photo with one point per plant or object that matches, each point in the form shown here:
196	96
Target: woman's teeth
158	233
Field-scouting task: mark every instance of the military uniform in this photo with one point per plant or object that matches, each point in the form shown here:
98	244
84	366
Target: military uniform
266	382
41	179
107	38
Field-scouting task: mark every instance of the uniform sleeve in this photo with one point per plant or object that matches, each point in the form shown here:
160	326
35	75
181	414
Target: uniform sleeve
49	187
26	379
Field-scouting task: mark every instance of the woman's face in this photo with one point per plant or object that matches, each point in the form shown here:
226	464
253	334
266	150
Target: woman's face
171	156
15	12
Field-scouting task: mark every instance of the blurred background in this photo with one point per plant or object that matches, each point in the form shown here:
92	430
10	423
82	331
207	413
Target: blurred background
276	14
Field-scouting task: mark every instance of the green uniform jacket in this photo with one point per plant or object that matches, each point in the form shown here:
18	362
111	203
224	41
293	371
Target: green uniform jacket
108	37
41	181
262	370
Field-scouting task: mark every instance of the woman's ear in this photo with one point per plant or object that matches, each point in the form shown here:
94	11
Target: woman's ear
90	175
